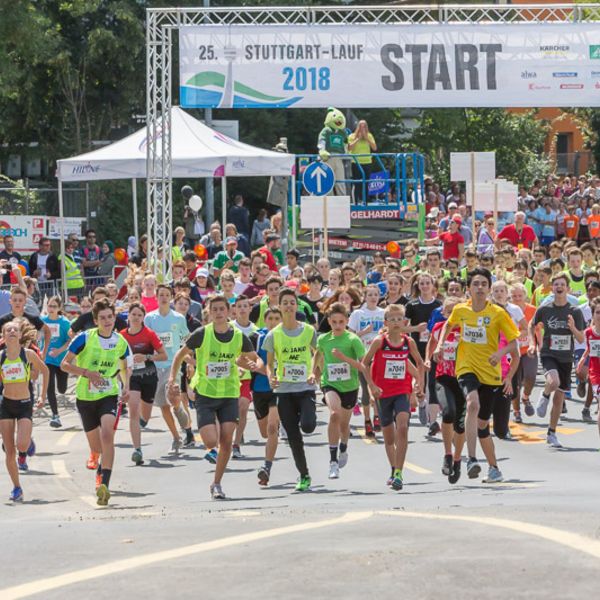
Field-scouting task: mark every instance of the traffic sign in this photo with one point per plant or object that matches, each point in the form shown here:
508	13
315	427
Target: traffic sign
318	179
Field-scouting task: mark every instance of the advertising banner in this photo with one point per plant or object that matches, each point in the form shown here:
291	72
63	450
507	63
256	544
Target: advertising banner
26	231
463	65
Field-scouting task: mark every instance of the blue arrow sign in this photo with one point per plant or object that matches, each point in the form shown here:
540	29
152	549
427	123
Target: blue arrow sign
318	179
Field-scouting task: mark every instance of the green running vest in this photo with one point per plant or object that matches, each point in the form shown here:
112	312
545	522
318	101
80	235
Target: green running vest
293	354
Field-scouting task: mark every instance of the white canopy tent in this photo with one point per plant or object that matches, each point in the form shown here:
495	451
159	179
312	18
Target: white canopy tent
197	151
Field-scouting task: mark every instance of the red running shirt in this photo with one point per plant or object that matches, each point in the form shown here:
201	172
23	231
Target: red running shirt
143	342
447	364
592	342
389	368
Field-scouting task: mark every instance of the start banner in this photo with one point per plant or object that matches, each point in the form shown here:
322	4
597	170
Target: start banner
527	65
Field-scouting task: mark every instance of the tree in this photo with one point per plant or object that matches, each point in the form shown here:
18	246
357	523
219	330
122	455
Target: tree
517	139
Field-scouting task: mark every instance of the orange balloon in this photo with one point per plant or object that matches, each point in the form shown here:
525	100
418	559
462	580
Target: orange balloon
120	255
392	247
200	251
23	270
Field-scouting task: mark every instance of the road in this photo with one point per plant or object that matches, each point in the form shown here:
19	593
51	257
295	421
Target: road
536	534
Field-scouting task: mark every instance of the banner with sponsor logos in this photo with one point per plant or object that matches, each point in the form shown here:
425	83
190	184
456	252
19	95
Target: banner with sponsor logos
500	65
26	231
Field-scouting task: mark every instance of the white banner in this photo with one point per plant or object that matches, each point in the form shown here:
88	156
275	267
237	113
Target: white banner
390	66
72	226
27	231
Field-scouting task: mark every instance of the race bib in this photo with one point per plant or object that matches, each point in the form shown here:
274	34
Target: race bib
584	221
474	335
294	373
166	338
424	336
524	342
570	224
105	386
338	372
449	351
595	348
395	369
137	366
13	372
218	370
54	330
560	342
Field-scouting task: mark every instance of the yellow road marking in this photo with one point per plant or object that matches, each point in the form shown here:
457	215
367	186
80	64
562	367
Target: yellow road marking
143	560
367	440
60	469
66	438
417	469
558	536
533	435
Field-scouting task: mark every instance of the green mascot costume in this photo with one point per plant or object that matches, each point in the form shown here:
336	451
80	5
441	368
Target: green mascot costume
332	140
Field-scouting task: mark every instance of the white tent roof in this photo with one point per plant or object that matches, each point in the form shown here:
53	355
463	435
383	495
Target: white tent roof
197	151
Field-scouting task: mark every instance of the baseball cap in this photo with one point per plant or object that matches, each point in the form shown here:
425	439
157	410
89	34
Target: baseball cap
456	219
452	205
292	283
201	272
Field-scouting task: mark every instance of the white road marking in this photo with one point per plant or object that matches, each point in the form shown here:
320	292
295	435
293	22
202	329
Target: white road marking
60	469
558	536
66	438
143	560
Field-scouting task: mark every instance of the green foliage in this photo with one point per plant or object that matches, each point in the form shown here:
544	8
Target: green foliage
15	199
517	139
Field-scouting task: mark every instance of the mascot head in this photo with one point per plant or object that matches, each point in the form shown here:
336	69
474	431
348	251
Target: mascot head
335	119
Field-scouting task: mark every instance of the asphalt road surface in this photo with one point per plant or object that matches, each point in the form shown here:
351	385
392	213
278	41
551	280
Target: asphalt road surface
537	535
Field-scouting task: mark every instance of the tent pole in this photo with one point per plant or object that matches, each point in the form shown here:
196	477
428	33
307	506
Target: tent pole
135	209
61	216
224	205
293	205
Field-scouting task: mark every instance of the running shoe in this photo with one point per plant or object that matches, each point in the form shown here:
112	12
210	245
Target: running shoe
17	494
264	474
216	492
447	464
176	446
581	389
542	406
303	484
92	462
529	410
586	415
552	441
356	410
494	476
434	429
334	470
236	452
564	410
31	449
22	463
137	457
517	416
55	422
343	459
369	432
423	413
389	481
455	474
190	440
143	423
211	456
473	468
98	480
376	424
397	483
102	495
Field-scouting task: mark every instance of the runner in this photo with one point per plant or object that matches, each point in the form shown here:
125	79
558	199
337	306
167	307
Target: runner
219	349
366	322
336	364
392	374
478	365
172	331
592	354
243	323
146	348
449	394
59	342
265	402
291	344
16	403
562	324
99	358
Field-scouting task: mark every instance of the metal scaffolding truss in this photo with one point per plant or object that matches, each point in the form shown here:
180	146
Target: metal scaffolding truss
162	21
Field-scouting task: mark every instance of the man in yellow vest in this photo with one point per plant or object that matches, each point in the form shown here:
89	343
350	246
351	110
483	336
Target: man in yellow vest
75	281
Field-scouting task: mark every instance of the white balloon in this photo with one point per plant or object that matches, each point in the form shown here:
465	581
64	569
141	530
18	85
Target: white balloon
195	203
